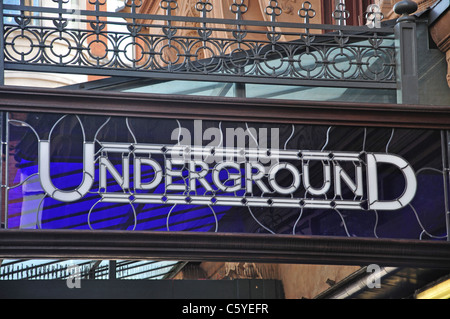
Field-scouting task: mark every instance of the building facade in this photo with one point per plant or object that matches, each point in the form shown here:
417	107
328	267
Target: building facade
345	113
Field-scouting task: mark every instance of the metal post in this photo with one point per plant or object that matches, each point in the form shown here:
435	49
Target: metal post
93	268
239	90
445	138
112	269
5	165
3	216
406	55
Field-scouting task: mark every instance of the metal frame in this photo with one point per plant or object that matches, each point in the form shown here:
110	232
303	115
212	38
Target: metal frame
216	246
188	246
239	58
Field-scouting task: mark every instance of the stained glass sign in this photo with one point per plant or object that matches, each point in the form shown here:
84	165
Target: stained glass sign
130	173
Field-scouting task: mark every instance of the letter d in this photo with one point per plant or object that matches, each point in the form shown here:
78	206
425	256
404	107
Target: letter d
372	181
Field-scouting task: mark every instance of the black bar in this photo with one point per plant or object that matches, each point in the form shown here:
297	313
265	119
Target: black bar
223	291
20	99
198	246
445	142
166	75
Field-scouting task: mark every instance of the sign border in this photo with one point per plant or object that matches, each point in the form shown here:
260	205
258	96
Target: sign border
85	102
199	246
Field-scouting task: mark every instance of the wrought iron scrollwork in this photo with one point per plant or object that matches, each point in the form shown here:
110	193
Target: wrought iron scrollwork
175	43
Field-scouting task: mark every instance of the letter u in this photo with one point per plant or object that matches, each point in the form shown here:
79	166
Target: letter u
88	173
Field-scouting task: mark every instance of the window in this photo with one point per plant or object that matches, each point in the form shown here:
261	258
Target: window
10	19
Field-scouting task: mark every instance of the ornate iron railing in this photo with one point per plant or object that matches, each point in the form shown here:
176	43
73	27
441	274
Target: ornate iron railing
175	43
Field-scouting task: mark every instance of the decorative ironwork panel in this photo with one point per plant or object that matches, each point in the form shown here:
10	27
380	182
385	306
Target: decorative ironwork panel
126	173
203	42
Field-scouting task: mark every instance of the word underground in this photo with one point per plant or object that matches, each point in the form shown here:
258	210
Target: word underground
244	171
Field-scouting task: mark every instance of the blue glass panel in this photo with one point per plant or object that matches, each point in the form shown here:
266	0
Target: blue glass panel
300	198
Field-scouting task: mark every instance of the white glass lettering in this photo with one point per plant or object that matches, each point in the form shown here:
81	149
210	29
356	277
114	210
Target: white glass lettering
236	177
326	179
186	176
372	182
158	175
47	184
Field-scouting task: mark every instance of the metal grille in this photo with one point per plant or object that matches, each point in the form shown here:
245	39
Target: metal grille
175	44
90	269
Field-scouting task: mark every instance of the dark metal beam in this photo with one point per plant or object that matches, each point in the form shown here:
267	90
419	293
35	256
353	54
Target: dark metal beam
20	99
197	246
183	75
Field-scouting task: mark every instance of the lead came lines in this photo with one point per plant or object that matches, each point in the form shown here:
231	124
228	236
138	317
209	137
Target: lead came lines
212	191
